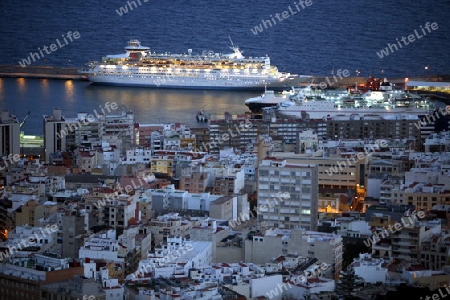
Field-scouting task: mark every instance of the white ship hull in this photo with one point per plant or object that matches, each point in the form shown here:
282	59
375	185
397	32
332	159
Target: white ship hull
268	99
299	113
360	107
220	83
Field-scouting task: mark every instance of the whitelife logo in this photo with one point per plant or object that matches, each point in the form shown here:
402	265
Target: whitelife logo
242	218
53	47
127	189
173	255
407	221
72	127
281	16
352	160
124	9
411	38
24	243
323	85
218	140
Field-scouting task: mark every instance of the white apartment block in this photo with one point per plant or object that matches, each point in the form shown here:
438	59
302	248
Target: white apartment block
174	259
138	156
372	270
101	246
349	227
299	182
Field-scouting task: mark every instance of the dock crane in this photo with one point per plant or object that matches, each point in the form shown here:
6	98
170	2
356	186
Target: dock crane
24	120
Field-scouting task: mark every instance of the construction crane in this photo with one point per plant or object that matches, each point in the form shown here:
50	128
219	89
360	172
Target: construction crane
24	120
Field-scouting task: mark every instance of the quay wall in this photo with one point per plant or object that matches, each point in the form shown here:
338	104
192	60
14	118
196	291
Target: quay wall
50	72
47	72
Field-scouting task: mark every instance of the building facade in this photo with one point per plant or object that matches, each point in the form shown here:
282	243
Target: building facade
298	184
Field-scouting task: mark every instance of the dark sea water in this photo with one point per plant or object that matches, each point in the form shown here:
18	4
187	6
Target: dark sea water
327	35
41	96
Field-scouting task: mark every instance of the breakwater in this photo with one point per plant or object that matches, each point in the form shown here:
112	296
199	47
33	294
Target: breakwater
47	72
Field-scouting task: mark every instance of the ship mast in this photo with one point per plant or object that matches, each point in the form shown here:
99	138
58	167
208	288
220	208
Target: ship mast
236	52
232	45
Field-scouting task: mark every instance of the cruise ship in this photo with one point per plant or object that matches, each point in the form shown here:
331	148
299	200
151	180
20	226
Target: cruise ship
351	106
139	66
271	98
376	98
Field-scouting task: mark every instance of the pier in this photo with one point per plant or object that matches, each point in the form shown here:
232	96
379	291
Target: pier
41	72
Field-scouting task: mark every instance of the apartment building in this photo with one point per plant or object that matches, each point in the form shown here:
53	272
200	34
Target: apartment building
406	242
102	246
168	225
120	212
31	212
9	134
63	134
195	181
138	155
425	196
435	251
224	208
143	133
228	181
326	247
162	164
284	131
118	125
23	278
72	233
299	182
54	139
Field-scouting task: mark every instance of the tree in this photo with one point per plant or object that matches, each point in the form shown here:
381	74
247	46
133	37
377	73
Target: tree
352	249
347	284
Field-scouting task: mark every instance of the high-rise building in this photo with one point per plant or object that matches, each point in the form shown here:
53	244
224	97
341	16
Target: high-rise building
65	134
118	126
72	234
54	139
287	194
9	134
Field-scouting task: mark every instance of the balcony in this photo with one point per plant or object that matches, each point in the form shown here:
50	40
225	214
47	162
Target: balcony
402	243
